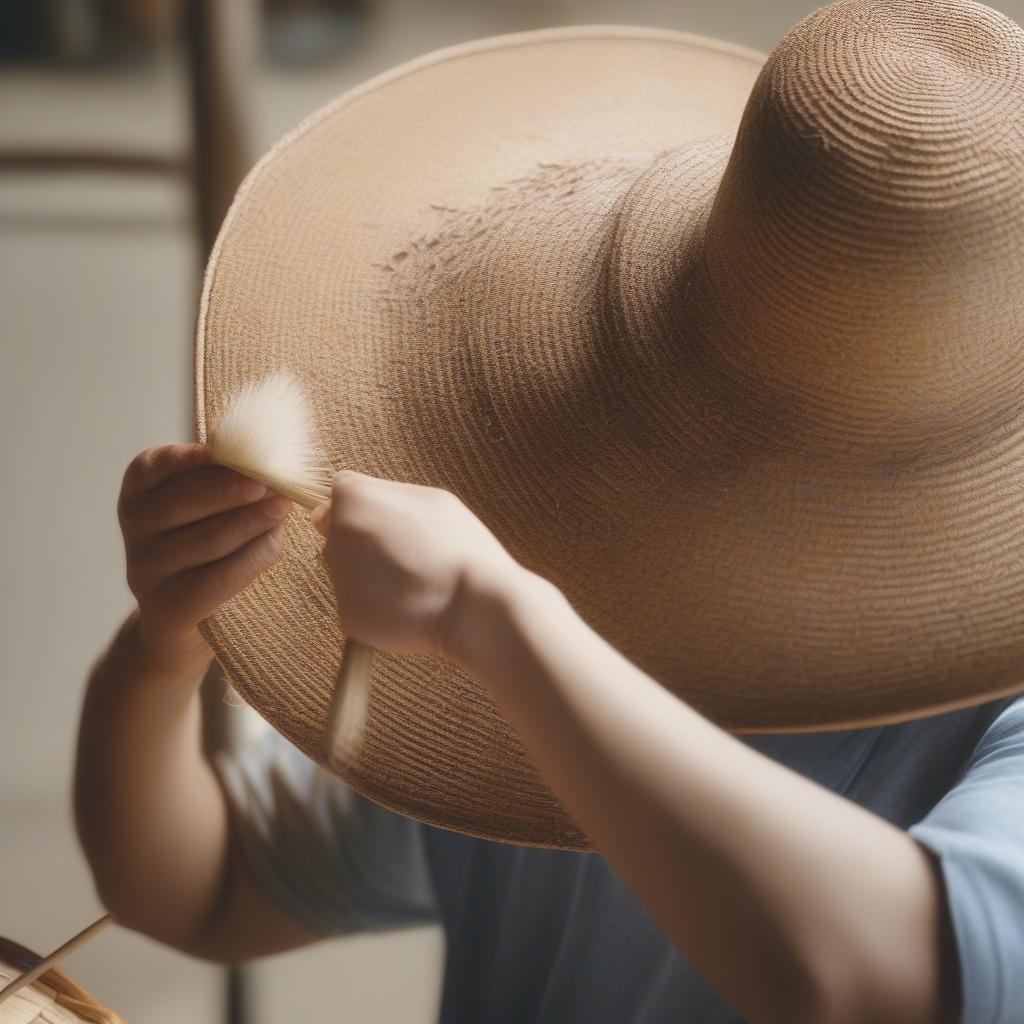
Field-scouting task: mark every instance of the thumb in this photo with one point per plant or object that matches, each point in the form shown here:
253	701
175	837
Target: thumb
321	518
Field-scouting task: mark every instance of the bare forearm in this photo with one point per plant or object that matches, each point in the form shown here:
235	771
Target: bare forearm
794	903
150	814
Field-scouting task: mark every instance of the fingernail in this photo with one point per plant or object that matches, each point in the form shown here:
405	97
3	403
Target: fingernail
252	490
278	507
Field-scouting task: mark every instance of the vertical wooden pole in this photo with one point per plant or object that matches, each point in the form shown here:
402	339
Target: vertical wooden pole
221	42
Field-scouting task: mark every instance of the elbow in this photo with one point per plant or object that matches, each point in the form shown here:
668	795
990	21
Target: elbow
114	886
833	989
814	993
135	915
806	986
819	1005
102	857
95	850
126	892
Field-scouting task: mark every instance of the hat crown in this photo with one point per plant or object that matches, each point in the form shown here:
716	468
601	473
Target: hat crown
879	106
870	222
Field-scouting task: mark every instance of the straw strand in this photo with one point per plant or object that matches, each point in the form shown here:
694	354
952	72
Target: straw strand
55	957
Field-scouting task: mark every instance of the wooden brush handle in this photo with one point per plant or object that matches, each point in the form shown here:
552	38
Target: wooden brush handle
347	718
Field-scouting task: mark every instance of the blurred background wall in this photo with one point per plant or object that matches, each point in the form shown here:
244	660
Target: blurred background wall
100	255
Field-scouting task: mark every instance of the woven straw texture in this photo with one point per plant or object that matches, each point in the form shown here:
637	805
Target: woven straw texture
730	353
55	998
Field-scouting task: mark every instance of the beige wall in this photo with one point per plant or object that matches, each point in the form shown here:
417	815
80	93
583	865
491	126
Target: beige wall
96	304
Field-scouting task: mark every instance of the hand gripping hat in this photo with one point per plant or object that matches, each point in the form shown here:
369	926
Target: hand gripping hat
731	350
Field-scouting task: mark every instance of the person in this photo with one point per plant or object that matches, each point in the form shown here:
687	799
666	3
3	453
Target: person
872	874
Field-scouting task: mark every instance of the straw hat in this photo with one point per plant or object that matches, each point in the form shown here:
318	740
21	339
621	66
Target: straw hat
752	401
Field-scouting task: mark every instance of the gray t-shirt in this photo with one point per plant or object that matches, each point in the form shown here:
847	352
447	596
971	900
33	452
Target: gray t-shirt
545	936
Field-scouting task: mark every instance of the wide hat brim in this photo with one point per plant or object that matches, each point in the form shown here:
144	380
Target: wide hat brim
467	261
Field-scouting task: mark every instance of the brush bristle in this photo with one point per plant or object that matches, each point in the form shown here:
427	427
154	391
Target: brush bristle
266	432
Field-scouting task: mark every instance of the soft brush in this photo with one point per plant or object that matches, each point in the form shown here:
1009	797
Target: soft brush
266	433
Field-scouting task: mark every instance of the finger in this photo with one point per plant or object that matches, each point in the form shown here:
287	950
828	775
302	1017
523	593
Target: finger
203	589
355	498
207	540
320	517
190	496
347	484
152	467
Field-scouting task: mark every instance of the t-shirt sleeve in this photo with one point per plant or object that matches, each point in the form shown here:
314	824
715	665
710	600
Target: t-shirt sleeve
331	859
977	833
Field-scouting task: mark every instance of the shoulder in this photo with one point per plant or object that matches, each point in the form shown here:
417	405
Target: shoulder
976	833
986	798
1002	743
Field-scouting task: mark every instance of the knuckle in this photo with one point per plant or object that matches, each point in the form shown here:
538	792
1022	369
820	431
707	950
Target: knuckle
447	496
136	479
142	574
140	468
345	481
125	508
127	500
210	541
245	525
131	509
341	476
134	579
445	499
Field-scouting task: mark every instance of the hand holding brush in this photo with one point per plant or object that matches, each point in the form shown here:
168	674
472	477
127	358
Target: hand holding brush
398	553
266	433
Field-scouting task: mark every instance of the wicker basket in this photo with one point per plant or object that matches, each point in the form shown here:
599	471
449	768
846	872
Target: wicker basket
52	999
